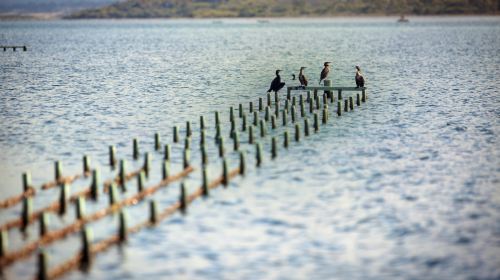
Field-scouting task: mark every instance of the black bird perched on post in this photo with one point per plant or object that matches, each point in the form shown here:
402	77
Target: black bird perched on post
324	72
276	84
302	78
360	81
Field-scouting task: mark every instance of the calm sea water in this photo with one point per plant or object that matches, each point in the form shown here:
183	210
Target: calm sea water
405	187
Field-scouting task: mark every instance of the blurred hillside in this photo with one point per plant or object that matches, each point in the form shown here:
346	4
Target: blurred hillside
286	8
50	6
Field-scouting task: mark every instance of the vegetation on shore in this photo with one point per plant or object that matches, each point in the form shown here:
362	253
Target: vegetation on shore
285	8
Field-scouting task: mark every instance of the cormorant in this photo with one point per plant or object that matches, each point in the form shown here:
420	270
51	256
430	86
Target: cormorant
302	78
360	81
324	72
276	84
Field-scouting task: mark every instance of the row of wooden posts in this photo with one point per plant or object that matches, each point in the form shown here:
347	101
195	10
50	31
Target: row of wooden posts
24	48
28	216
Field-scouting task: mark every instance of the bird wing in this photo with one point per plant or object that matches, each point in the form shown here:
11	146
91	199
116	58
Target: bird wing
275	83
324	74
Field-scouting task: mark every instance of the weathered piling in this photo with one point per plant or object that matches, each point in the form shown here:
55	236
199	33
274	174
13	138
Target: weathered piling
287	105
327	83
297	132
262	128
294	101
95	184
250	107
43	259
325	99
306	127
86	164
189	132
202	137
202	122
112	194
284	115
147	163
218	132
63	199
176	134
244	122
58	170
204	185
316	122
339	94
112	156
221	147
316	99
242	163
293	113
225	172
255	118
204	157
268	99
122	226
346	105
351	103
358	100
250	135
231	114
311	106
261	105
273	121
165	168
286	139
339	108
324	117
157	141
187	143
276	97
258	154
308	96
302	110
141	178
86	246
43	223
135	149
167	152
288	94
80	207
274	148
123	175
240	110
26	181
27	211
267	114
236	141
217	118
186	158
363	96
153	211
182	199
4	242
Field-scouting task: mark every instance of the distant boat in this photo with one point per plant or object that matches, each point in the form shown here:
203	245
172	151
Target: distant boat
403	19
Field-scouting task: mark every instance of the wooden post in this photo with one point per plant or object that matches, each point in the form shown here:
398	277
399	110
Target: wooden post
189	132
339	94
306	127
202	122
86	165
294	101
288	93
327	83
308	96
258	154
27	211
287	105
166	155
346	105
244	122
262	128
302	110
242	163
339	108
44	223
325	99
153	211
364	96
186	156
233	128
165	169
4	242
135	149
140	181
286	139
250	135
315	95
218	132
250	107
147	163
293	113
176	134
217	118
311	107
26	181
324	116
236	141
274	150
112	156
284	114
317	102
225	173
202	137
221	147
255	118
297	132
157	141
273	121
231	114
267	114
268	99
301	99
63	199
276	98
80	207
204	186
122	226
358	100
240	110
183	199
261	106
351	103
86	244
123	174
187	143
95	185
58	170
43	260
316	122
112	194
204	158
